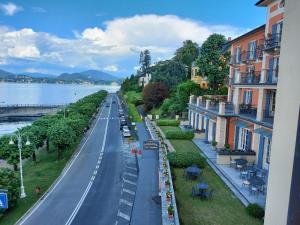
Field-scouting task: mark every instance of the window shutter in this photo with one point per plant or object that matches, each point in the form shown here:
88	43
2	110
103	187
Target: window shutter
250	98
271	65
261	151
236	137
244	98
248	147
249	50
267	108
254	48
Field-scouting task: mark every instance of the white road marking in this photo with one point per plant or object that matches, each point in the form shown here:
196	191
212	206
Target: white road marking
128	191
123	201
64	173
130	174
124	216
132	168
71	218
129	182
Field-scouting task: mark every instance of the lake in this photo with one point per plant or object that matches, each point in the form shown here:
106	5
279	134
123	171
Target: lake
48	94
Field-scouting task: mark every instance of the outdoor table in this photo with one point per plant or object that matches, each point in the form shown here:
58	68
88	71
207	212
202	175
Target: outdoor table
202	187
240	163
193	171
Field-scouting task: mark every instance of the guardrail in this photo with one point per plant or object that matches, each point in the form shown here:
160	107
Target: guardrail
33	105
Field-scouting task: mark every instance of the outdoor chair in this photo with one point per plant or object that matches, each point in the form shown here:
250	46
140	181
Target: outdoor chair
209	194
195	192
254	190
232	162
244	174
246	183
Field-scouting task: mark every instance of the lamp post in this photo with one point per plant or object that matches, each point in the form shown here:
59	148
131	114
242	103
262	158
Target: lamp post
11	142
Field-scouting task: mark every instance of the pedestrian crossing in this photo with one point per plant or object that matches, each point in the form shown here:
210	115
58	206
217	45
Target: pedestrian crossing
110	118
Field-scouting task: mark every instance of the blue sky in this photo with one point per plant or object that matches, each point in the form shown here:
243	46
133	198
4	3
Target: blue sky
53	36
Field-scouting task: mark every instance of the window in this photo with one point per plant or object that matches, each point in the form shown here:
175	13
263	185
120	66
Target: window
252	49
247	97
267	149
244	139
237	75
238	54
272	102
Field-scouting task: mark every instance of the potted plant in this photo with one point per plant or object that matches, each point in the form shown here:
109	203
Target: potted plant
168	196
214	144
167	184
227	146
166	173
170	211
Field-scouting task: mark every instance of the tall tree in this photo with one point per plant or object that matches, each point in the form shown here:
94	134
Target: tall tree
187	54
212	62
145	62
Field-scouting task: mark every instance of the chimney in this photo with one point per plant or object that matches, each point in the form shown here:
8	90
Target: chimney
229	39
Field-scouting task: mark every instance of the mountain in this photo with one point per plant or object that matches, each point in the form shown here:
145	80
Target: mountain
5	74
38	75
89	75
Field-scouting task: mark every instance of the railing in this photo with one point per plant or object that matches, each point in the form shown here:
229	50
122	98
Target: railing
268	116
273	41
32	105
271	76
248	110
246	57
248	78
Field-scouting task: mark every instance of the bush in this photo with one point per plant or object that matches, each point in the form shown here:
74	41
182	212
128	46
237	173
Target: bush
186	159
10	182
173	123
255	211
183	135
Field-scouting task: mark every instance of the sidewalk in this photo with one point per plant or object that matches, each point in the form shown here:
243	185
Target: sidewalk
146	210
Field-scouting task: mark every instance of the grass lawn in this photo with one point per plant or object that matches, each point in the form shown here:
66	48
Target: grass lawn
133	113
132	96
42	174
223	209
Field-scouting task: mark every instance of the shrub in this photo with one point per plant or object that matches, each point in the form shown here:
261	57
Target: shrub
186	159
173	123
214	143
227	146
10	182
183	135
255	211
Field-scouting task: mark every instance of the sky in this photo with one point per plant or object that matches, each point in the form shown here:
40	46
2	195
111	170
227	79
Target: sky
56	36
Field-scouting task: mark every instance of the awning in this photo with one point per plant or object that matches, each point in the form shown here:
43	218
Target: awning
263	132
241	124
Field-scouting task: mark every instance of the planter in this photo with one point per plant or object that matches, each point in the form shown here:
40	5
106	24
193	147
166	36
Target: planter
170	216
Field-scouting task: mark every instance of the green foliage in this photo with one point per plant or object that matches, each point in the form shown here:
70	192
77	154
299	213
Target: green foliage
133	97
145	62
173	123
212	62
10	182
154	94
131	84
133	113
182	135
186	159
255	210
187	53
214	143
169	72
61	136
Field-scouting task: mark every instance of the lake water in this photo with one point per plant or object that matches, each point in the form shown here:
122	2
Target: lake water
53	94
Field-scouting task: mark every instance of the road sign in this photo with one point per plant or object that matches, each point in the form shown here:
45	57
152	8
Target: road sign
151	145
3	201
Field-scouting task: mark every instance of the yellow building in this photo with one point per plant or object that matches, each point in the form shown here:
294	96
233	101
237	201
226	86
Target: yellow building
202	81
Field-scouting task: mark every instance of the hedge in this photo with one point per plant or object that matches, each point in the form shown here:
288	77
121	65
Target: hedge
186	159
173	123
255	211
182	135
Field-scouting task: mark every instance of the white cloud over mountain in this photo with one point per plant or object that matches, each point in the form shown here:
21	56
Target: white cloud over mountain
111	48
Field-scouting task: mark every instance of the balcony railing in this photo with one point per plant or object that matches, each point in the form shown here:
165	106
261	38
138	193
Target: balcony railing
273	41
246	57
248	110
250	78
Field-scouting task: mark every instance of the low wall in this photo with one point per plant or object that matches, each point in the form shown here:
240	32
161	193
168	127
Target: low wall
225	159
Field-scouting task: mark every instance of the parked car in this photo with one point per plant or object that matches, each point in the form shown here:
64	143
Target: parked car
107	105
123	122
126	134
126	128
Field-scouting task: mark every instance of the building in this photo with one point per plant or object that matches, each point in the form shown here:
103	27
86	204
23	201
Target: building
200	80
283	197
144	80
245	121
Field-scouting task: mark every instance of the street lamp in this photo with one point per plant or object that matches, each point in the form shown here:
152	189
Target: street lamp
11	142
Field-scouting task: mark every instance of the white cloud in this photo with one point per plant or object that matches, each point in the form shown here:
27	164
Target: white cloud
111	68
114	48
10	8
38	9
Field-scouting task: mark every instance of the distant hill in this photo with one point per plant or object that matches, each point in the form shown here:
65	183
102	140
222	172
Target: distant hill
5	74
38	75
89	75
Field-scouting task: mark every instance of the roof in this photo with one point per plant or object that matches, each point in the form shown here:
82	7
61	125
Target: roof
263	2
262	27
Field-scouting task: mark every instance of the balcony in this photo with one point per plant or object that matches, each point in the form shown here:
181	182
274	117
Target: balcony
235	60
272	42
248	111
248	78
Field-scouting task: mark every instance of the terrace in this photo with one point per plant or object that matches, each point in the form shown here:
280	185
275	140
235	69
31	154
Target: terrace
247	78
272	42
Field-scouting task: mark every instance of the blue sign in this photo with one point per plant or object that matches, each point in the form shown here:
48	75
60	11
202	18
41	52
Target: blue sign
3	201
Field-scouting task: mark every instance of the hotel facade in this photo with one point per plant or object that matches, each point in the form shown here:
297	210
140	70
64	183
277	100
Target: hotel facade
244	120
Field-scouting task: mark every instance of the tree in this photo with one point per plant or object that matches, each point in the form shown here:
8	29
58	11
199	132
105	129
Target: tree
154	94
187	54
10	182
212	62
169	72
61	136
145	62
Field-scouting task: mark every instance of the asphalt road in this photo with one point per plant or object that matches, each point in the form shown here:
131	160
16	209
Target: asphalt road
89	191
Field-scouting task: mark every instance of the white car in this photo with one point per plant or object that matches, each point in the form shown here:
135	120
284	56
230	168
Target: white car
126	134
126	128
